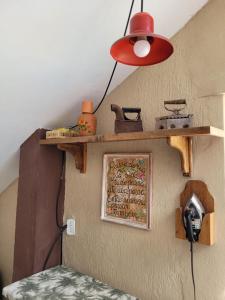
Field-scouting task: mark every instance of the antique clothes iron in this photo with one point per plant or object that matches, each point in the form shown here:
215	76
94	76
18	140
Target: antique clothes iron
175	120
123	123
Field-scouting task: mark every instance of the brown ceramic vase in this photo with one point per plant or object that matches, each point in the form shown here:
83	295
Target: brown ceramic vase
87	121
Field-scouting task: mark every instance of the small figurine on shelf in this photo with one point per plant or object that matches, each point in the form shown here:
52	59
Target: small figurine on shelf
87	121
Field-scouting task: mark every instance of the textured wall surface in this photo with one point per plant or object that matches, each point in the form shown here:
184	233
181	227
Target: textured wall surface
154	265
56	66
8	201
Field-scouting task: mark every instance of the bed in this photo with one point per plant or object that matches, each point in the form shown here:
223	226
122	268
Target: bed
62	283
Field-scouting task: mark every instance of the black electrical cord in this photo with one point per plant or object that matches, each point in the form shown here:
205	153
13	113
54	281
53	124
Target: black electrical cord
61	182
62	227
51	249
114	68
192	269
142	5
116	63
109	83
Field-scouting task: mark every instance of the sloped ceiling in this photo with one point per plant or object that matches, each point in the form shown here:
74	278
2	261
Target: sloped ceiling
54	53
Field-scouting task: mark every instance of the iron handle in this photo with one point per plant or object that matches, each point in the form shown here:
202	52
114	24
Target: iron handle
180	101
131	110
176	110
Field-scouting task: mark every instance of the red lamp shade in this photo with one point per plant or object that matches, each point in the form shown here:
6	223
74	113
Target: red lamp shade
141	28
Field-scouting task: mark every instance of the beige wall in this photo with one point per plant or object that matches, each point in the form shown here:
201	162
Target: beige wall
154	265
8	201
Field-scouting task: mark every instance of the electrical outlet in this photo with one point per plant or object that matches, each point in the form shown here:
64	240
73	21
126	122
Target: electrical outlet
71	226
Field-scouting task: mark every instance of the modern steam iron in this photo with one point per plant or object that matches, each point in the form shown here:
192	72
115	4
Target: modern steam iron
193	214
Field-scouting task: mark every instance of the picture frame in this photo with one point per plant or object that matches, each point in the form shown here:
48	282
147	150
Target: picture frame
127	189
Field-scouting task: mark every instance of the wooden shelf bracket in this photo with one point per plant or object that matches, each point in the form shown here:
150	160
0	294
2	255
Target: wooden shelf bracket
184	145
178	138
79	152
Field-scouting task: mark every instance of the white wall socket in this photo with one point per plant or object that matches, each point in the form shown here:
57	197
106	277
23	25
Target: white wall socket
71	226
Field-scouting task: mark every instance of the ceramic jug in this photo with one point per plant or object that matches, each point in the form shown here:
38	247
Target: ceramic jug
87	121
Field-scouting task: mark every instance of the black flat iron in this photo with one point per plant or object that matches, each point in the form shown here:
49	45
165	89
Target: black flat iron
125	124
193	215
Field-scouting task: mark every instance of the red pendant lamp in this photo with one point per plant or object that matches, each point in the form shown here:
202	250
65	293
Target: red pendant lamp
142	47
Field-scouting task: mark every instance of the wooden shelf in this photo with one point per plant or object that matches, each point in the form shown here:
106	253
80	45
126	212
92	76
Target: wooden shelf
180	139
131	136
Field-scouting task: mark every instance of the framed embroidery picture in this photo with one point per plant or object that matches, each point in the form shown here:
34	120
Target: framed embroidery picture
127	190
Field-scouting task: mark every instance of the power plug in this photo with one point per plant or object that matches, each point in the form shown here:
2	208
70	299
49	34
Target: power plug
71	227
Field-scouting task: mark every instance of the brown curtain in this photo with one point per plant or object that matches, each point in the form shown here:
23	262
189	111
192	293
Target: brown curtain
36	229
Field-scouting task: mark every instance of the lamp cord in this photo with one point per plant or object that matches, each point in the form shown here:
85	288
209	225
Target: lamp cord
114	68
116	63
142	5
109	83
62	175
51	249
192	269
61	228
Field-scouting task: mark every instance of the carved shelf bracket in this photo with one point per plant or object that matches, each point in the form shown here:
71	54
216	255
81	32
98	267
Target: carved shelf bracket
178	138
184	145
79	152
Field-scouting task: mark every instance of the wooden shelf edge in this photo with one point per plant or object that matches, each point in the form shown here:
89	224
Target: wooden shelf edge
180	139
165	133
217	132
144	135
72	140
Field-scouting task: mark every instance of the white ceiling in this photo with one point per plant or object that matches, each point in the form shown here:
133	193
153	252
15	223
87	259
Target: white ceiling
54	53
